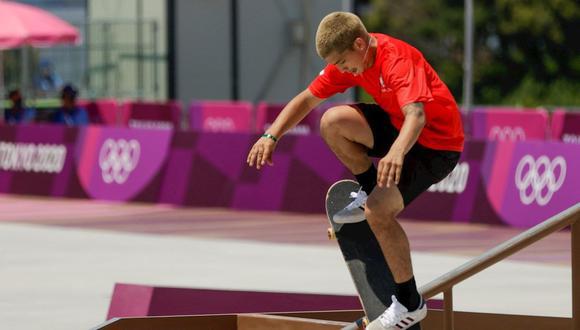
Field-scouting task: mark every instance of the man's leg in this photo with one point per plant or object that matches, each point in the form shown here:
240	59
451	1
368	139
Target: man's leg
348	135
382	207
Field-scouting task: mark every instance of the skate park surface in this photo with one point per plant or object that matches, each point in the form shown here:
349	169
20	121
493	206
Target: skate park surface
62	257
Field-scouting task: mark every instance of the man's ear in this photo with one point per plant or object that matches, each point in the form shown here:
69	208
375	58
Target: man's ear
359	44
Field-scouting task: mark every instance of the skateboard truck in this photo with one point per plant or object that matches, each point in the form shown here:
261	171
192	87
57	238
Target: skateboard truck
331	234
359	324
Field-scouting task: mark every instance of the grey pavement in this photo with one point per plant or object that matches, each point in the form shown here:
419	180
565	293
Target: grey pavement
61	278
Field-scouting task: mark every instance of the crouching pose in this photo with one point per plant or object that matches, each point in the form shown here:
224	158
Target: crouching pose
414	129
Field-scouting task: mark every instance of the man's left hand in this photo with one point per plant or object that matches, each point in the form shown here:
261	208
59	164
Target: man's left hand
390	168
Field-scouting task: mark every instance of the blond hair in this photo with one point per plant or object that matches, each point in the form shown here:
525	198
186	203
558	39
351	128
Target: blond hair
337	32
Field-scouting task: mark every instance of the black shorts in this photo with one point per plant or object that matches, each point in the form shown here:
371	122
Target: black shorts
422	166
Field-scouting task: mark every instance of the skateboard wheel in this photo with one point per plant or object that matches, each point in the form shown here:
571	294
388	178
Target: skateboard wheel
331	234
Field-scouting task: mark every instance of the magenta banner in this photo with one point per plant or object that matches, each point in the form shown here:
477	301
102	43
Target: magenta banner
510	183
266	113
117	163
529	182
222	116
566	126
103	111
38	159
509	125
206	169
150	115
303	170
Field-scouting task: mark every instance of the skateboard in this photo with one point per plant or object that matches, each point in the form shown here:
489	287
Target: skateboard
363	256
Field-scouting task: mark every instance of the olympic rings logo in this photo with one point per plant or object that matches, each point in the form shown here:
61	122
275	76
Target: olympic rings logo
507	133
118	159
538	179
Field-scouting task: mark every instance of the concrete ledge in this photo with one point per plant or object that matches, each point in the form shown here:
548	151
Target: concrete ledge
269	322
300	321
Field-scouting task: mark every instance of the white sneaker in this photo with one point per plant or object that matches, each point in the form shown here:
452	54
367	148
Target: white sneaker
397	317
353	212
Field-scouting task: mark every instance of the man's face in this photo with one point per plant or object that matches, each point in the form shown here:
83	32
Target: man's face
351	60
16	99
68	101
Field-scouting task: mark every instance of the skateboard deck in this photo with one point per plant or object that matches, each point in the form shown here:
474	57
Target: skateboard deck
363	256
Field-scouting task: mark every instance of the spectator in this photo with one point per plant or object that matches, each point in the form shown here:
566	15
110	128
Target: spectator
49	82
18	113
70	113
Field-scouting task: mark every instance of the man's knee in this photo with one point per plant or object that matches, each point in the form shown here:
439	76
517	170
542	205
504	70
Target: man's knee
333	120
380	212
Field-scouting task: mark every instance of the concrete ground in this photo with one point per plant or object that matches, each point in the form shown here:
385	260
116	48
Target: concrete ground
59	259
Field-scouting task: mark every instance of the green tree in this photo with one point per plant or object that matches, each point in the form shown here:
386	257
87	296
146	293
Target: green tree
525	53
433	26
533	45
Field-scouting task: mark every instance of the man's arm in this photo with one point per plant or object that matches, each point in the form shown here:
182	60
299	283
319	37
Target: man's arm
294	112
391	165
412	126
290	116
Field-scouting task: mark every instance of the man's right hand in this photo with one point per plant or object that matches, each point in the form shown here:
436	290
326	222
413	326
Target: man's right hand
292	114
261	152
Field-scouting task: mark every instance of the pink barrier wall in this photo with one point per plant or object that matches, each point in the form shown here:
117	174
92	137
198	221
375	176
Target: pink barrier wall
566	126
266	113
466	121
516	184
102	111
150	114
509	125
221	116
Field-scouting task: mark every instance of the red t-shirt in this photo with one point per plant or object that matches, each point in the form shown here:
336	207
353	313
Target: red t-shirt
400	75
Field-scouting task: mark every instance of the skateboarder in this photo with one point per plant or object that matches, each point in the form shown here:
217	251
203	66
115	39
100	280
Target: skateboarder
414	129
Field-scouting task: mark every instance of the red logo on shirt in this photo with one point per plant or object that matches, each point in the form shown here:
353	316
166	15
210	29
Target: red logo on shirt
384	89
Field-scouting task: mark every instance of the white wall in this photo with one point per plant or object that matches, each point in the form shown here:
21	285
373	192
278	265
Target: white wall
270	68
123	15
203	52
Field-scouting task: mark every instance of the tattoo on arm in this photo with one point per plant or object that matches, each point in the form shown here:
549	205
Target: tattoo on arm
414	122
415	109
